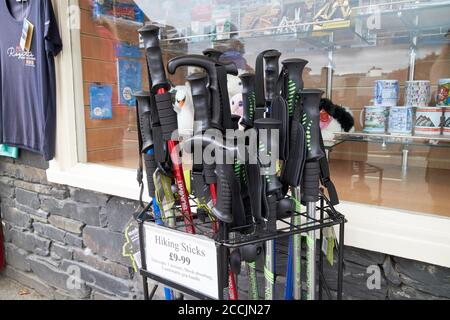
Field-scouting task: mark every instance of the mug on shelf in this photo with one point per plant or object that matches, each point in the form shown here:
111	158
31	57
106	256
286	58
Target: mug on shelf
400	120
443	93
386	92
418	93
446	122
428	121
374	119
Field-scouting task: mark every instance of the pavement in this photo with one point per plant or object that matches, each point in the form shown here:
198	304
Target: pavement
12	290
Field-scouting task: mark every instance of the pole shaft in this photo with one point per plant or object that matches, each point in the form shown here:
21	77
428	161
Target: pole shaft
311	253
297	246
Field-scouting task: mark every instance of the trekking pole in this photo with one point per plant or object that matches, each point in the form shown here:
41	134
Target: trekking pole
271	194
265	92
250	253
147	149
220	120
203	176
167	116
293	169
310	184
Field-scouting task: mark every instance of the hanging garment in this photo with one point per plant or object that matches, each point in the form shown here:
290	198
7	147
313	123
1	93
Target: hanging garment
27	82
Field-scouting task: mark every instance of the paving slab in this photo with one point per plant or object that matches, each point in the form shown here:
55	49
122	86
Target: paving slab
12	290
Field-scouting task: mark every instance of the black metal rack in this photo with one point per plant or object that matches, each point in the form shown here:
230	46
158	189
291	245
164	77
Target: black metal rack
329	217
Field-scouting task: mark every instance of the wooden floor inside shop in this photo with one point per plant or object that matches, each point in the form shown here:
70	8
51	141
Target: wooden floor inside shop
421	189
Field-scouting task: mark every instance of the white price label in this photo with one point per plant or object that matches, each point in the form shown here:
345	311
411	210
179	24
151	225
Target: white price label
185	259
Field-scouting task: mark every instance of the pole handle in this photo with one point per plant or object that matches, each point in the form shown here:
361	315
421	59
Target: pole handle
272	70
311	178
150	35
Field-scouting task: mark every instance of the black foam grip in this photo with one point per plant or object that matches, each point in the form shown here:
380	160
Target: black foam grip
310	183
238	209
272	70
293	168
167	115
150	168
295	69
260	83
201	102
311	123
144	118
150	36
224	98
280	112
223	208
159	144
255	190
248	99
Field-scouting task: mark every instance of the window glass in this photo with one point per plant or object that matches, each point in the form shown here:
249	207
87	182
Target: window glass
350	45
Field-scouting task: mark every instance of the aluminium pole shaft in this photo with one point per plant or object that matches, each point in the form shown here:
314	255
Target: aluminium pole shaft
311	253
297	246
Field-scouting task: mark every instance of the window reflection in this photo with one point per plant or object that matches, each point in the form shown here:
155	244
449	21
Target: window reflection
360	41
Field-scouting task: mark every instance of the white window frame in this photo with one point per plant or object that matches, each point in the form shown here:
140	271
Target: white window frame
69	166
406	234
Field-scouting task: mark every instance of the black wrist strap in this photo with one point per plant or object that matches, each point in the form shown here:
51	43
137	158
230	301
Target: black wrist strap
140	170
325	176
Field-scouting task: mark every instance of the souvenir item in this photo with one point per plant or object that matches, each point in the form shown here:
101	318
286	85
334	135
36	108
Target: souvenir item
428	121
374	119
418	93
443	96
446	124
386	92
400	120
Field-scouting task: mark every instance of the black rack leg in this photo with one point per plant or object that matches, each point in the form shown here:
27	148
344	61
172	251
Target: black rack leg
341	261
145	283
320	250
152	295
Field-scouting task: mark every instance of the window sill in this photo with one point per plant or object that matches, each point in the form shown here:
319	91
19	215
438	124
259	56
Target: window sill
115	181
411	235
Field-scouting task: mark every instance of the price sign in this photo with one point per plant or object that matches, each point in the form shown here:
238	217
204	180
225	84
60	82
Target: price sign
185	259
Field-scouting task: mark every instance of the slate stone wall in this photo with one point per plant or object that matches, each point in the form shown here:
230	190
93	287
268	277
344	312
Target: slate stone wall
377	276
57	234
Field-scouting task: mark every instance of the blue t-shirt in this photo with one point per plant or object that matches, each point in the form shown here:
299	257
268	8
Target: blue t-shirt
27	83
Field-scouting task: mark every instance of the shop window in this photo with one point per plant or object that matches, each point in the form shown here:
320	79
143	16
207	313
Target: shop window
350	45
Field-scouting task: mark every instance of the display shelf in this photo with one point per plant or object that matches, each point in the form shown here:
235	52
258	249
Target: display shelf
399	21
421	140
